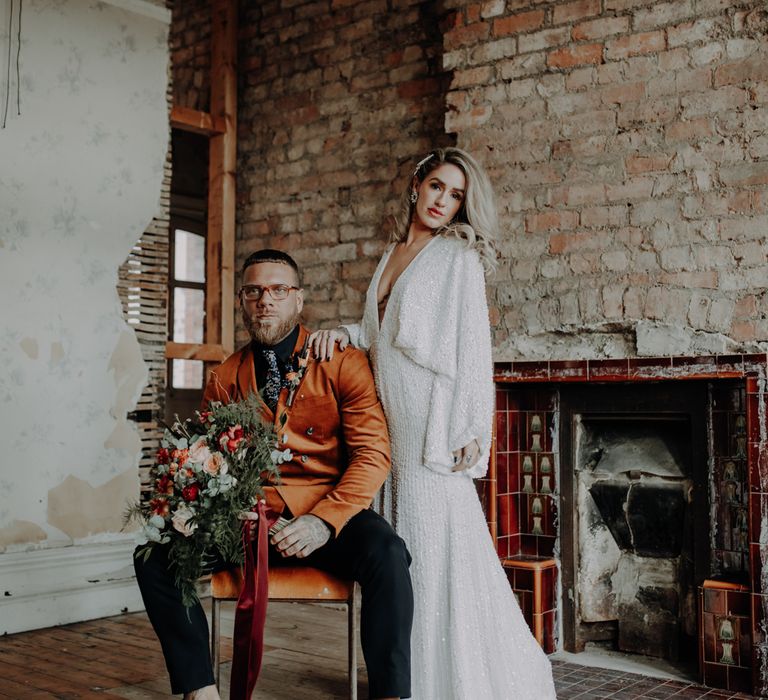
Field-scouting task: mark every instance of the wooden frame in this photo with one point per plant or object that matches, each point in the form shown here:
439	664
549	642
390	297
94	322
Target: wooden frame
220	125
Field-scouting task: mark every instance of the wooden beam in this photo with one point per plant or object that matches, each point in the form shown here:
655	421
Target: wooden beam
196	121
220	316
195	351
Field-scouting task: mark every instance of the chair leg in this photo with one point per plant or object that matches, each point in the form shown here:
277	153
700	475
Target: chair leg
352	642
215	641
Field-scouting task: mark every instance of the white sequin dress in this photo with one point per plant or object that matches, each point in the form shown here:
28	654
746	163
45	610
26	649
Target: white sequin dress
431	357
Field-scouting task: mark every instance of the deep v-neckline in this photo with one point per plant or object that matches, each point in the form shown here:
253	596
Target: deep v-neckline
385	260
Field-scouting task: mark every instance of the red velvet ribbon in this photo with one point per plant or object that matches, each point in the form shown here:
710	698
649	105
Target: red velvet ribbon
251	611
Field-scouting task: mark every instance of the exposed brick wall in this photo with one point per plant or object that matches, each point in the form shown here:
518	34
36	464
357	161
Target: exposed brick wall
190	42
337	99
628	142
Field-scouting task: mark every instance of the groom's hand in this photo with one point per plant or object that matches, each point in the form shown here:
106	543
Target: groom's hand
302	537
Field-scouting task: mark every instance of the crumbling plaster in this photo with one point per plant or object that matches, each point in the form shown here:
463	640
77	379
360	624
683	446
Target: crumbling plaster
80	178
620	340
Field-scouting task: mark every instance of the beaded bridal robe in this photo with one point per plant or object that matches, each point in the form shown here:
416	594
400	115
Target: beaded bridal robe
431	357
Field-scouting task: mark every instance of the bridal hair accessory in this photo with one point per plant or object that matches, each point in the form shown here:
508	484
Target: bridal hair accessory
414	196
422	161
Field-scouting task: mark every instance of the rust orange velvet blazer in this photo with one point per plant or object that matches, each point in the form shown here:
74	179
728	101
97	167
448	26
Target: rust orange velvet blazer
335	430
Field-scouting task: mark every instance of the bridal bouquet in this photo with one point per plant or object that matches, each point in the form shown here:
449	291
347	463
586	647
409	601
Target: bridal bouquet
209	470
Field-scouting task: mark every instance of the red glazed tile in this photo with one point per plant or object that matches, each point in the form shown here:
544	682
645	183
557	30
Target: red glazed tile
513	473
525	598
568	371
548	589
513	430
501	368
501	399
503	522
714	601
522	504
514	515
744	640
751	385
708	637
514	545
649	367
730	365
755	362
501	431
549	632
700	367
530	370
734	649
502	547
528	544
609	370
524	579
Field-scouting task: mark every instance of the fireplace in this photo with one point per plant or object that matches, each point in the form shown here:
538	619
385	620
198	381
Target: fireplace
635	489
634	464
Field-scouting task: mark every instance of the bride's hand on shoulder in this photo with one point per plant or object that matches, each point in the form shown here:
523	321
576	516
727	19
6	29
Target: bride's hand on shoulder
466	457
324	342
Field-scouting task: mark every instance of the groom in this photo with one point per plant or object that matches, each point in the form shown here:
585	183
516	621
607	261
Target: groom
337	436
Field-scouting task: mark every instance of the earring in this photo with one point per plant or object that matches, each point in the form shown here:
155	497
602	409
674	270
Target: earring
414	196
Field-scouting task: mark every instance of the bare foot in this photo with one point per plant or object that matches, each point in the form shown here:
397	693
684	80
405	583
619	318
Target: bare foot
210	692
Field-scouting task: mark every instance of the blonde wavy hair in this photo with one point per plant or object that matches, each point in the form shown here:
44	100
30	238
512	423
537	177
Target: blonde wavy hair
476	222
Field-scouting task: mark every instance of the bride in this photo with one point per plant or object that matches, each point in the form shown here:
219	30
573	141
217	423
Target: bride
425	327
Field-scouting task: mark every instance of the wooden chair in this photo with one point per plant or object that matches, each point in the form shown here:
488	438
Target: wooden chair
290	583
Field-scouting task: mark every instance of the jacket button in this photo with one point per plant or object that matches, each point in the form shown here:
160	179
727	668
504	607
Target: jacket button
310	430
285	438
304	458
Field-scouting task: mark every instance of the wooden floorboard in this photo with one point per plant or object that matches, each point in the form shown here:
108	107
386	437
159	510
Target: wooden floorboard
305	658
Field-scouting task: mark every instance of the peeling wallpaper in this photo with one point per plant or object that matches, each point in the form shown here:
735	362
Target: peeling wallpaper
80	177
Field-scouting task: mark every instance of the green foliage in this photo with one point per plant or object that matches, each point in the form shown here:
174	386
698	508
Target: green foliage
209	470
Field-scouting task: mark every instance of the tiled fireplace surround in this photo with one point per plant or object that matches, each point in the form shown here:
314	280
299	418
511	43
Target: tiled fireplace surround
525	505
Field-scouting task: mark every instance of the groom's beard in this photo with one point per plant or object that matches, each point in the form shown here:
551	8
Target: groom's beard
269	330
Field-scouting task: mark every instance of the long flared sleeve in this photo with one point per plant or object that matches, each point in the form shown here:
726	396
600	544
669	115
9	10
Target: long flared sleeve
472	402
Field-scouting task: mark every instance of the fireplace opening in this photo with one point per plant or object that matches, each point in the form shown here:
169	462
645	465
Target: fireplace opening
634	516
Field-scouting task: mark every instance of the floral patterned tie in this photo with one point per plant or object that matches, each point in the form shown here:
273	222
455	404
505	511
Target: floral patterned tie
274	381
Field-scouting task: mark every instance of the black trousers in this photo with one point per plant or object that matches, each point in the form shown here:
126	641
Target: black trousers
367	550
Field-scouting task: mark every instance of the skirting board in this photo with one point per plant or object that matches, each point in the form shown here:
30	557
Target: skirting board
48	587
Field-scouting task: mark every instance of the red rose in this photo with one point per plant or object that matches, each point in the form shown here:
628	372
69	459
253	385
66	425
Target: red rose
189	493
231	438
160	506
205	416
164	484
163	456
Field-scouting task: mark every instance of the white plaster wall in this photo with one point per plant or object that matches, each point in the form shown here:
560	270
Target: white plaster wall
80	177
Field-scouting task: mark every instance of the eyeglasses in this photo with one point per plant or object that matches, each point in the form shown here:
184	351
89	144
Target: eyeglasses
253	292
